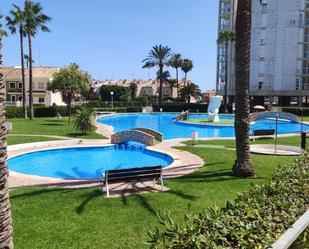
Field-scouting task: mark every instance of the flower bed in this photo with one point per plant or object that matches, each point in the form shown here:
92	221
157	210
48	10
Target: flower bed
254	220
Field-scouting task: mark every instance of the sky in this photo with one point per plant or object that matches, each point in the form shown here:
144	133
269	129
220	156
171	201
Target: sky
110	38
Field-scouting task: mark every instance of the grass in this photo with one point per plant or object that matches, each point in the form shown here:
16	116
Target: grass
49	126
222	122
292	141
82	218
27	139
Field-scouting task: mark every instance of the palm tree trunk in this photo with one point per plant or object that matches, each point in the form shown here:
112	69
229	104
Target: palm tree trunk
185	78
6	230
177	82
23	71
161	86
243	166
30	78
225	85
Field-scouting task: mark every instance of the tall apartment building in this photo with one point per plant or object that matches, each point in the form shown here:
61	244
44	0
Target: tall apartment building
279	54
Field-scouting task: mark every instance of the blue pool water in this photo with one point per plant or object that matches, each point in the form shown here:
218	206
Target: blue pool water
164	123
87	162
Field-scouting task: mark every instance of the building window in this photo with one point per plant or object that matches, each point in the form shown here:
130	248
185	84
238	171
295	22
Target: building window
262	59
12	85
41	100
20	98
260	85
13	98
41	85
20	85
264	8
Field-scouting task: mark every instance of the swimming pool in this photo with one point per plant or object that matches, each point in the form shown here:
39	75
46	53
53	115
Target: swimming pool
84	162
165	123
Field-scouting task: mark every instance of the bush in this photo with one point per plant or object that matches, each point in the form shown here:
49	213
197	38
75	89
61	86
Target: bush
254	220
84	120
39	111
296	110
134	109
181	106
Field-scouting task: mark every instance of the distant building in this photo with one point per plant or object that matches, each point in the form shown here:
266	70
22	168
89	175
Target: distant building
41	76
144	87
279	56
208	94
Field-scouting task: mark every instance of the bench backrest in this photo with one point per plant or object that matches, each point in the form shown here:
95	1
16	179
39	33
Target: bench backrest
132	174
264	132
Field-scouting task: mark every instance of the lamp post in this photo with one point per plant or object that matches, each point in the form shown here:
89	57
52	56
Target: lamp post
112	99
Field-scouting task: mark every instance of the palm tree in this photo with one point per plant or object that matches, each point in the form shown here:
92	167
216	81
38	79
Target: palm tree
190	90
186	66
35	19
176	62
165	75
16	23
133	90
6	230
158	57
226	38
243	166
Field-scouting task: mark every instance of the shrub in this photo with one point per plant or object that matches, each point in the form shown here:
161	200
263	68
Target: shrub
180	106
134	109
39	111
84	120
254	220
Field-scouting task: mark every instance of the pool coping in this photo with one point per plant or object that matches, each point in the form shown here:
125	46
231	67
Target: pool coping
183	163
107	130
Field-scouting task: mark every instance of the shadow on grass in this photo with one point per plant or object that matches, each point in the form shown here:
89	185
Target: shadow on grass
33	193
88	197
53	124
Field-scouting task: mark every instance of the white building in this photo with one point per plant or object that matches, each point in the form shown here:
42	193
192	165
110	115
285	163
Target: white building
41	76
279	64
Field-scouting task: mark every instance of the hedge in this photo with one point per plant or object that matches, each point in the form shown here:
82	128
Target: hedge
181	106
297	111
39	111
254	220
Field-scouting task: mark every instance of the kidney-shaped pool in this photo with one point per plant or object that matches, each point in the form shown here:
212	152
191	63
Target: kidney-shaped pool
84	162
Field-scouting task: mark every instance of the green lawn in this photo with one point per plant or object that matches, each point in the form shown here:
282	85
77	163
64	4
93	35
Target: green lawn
293	141
49	126
222	122
27	139
68	218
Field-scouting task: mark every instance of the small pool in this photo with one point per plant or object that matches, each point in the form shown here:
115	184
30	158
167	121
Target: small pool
85	162
165	123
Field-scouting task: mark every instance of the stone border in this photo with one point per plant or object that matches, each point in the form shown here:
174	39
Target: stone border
287	239
269	149
184	163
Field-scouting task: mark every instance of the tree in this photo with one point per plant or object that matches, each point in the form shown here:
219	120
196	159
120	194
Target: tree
243	166
158	57
186	67
121	93
176	62
190	90
6	230
35	20
133	90
16	23
226	38
70	82
84	120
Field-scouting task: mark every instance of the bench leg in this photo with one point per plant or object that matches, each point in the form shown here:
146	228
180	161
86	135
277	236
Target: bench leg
154	182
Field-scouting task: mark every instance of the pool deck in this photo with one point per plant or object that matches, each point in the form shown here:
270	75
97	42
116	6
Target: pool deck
184	163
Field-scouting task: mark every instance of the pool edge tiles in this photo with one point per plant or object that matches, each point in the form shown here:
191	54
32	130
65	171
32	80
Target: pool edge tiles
80	167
